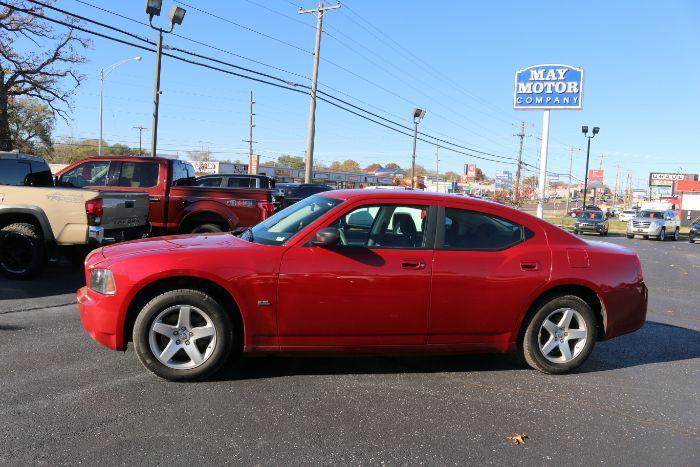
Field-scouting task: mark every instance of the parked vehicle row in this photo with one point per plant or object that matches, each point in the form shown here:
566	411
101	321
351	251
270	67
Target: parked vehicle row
38	219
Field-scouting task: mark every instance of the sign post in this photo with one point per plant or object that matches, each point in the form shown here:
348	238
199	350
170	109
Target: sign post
547	87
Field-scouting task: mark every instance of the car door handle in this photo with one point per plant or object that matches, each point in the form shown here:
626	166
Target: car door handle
529	265
413	264
153	199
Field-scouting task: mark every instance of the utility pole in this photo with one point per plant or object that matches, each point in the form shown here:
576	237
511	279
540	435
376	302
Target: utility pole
308	173
140	128
617	174
571	163
437	167
522	136
250	136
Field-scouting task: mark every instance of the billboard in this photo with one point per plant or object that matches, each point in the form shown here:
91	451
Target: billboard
548	87
595	176
470	170
503	179
668	179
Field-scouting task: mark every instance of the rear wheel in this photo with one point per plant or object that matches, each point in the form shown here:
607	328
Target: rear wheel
207	228
183	335
22	251
560	335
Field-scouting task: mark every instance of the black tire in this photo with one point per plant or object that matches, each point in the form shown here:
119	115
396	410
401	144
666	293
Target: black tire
529	345
675	234
207	228
22	251
575	232
225	336
662	235
691	240
630	236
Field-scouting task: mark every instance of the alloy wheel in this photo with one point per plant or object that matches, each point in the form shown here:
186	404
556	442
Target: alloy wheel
563	335
182	337
16	254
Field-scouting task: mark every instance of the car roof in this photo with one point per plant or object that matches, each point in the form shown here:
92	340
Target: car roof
411	194
234	175
20	156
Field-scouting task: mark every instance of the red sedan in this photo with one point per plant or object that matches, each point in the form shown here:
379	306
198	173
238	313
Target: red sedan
365	272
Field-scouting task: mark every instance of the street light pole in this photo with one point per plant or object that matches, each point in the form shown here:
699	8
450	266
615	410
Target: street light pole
103	75
418	115
176	16
584	130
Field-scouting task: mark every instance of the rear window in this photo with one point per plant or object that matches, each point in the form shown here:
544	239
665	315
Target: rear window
209	181
13	172
241	182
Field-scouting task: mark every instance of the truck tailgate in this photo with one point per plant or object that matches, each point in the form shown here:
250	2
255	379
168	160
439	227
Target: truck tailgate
123	209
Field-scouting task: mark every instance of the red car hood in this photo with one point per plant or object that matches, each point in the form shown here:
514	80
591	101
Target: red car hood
174	242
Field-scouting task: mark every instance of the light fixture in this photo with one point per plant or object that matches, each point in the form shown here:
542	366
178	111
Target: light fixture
584	129
176	15
595	130
418	114
153	7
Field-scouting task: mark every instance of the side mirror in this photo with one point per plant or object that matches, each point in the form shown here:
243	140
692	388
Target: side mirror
327	236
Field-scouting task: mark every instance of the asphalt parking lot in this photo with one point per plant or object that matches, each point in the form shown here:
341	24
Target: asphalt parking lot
636	401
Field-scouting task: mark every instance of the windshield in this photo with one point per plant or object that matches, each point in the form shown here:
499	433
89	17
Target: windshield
651	214
285	224
591	215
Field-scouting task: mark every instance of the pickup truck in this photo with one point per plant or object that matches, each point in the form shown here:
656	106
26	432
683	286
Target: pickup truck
39	220
177	205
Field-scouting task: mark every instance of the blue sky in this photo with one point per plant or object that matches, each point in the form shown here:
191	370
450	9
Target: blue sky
457	61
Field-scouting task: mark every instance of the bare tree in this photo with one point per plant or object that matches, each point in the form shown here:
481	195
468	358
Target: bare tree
36	61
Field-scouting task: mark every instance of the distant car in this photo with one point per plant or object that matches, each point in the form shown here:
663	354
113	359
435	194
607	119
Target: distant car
656	224
236	181
694	231
591	222
362	271
294	192
627	215
589	207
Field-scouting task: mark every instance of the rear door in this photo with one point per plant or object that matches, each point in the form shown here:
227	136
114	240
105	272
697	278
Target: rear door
486	269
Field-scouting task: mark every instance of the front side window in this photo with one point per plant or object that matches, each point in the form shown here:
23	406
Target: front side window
384	226
288	222
472	230
138	174
92	173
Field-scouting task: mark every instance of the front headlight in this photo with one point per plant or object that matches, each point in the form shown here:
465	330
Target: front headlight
102	281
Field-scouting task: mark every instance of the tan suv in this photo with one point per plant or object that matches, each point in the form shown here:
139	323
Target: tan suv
38	220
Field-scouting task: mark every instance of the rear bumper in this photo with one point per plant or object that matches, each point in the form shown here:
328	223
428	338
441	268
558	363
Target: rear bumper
625	309
98	236
99	315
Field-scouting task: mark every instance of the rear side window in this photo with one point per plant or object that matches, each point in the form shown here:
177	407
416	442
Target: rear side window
93	173
472	230
209	181
138	175
241	182
13	172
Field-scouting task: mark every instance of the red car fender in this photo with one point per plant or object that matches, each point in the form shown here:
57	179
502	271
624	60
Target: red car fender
184	273
213	207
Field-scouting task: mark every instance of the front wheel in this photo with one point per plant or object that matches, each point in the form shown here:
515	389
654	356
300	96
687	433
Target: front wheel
662	235
560	335
676	234
183	335
630	236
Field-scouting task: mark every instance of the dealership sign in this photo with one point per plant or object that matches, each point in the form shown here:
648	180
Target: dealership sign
595	175
548	87
667	179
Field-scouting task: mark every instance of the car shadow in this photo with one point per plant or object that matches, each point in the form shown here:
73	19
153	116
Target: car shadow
653	343
58	278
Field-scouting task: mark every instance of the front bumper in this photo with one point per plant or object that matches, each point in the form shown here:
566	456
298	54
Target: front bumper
100	317
651	231
590	227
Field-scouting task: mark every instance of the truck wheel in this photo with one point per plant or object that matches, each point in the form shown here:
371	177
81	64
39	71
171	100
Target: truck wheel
207	228
560	335
183	335
22	251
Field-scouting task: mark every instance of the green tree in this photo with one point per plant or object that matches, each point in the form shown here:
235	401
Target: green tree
347	165
47	72
294	162
31	124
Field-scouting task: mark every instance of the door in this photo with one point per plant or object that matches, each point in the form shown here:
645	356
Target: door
372	289
486	269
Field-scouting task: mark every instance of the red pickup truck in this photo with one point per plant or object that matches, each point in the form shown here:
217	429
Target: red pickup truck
176	205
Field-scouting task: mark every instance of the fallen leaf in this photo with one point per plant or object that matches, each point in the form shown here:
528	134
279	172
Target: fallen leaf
517	439
669	311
